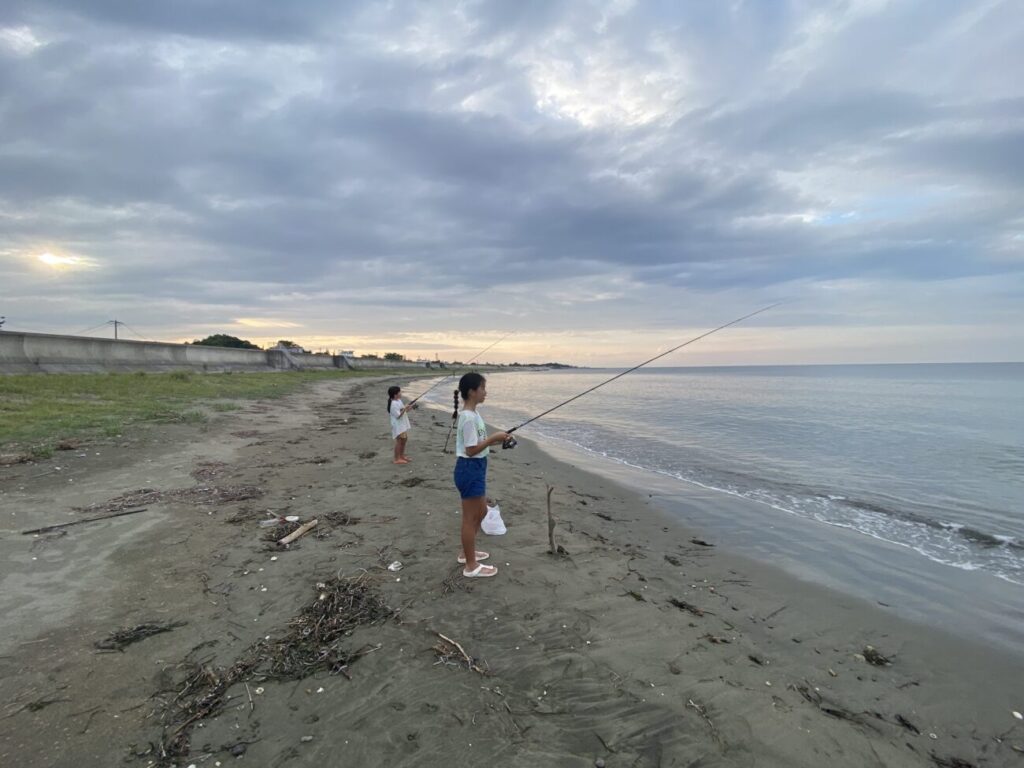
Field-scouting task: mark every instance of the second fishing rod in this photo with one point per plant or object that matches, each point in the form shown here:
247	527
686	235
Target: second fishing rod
511	442
444	379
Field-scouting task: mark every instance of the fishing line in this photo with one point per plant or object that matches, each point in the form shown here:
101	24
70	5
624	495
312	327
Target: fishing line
441	381
511	442
455	413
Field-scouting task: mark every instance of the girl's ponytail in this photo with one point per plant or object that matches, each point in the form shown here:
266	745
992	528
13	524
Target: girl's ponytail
455	412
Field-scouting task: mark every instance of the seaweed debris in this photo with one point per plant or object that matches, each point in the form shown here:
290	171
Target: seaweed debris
312	642
200	495
117	641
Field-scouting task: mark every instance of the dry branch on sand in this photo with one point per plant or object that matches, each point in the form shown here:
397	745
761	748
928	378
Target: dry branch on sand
451	653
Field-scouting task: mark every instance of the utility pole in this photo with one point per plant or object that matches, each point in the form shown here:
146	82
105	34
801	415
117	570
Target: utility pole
116	323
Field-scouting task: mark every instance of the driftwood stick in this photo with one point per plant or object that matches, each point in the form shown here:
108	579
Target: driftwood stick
300	531
48	528
551	523
461	649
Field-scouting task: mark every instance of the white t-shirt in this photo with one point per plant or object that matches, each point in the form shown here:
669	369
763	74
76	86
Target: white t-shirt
472	431
399	424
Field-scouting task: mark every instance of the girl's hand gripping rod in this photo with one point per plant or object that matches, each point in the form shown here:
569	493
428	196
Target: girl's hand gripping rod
511	442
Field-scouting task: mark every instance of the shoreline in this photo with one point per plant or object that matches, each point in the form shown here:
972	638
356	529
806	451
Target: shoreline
908	585
640	647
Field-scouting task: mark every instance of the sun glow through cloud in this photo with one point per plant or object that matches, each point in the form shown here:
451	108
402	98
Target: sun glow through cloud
57	261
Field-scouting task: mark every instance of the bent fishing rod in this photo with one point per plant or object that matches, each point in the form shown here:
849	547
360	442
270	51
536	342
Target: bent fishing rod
511	442
441	381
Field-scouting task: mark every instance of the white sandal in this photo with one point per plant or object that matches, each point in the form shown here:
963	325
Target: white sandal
479	572
479	556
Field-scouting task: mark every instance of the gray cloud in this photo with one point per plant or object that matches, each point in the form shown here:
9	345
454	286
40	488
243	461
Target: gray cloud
214	155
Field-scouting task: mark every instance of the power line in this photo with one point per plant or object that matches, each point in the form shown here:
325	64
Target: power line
79	333
134	331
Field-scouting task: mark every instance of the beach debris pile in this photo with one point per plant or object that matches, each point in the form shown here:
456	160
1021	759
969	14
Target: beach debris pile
312	642
207	471
284	530
872	656
10	459
200	495
279	528
116	641
340	518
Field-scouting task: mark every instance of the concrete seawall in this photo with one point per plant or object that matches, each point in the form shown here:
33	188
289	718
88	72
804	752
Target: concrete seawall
51	353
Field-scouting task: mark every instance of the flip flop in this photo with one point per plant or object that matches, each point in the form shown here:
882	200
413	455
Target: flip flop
479	556
480	573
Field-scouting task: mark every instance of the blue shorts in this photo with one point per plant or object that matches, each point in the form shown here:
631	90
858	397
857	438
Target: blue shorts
471	477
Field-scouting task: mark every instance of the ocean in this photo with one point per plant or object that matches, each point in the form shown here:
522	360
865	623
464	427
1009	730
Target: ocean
927	459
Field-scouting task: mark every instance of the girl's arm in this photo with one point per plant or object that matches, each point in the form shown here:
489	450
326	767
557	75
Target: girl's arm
496	439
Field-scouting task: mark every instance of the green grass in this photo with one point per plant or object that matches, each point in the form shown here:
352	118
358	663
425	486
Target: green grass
37	411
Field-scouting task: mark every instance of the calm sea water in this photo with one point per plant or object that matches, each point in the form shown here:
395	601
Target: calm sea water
928	457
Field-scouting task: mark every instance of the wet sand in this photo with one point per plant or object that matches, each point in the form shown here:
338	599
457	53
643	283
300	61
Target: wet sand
638	647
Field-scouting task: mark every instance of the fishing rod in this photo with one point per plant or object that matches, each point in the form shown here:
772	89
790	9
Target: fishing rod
455	415
441	381
511	442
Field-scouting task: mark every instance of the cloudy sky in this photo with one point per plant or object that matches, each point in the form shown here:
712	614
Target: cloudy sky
604	178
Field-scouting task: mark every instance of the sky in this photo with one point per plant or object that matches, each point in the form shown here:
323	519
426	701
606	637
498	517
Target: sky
603	179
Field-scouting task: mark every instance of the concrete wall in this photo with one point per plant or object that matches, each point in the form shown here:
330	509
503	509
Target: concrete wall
369	364
50	353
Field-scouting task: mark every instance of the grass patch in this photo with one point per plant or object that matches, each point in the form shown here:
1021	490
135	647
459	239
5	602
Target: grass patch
38	410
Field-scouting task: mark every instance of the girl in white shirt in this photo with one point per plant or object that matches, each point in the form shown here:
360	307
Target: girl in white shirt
471	447
399	424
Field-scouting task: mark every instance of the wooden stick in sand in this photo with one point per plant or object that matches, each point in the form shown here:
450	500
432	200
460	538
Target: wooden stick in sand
300	531
461	649
551	523
469	659
48	528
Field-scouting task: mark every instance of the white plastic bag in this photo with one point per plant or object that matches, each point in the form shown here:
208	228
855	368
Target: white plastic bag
493	525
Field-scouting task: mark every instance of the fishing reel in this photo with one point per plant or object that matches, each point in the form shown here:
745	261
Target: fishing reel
509	443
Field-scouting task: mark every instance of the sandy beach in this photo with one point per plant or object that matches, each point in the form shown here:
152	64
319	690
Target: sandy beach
640	644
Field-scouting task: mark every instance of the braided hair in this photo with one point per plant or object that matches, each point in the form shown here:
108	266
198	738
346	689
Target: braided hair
392	391
455	412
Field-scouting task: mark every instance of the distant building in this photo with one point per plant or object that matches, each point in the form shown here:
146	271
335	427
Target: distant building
295	350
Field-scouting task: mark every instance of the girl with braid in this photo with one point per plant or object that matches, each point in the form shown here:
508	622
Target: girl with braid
399	424
471	448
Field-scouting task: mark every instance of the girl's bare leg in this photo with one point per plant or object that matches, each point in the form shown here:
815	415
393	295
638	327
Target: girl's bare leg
473	512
